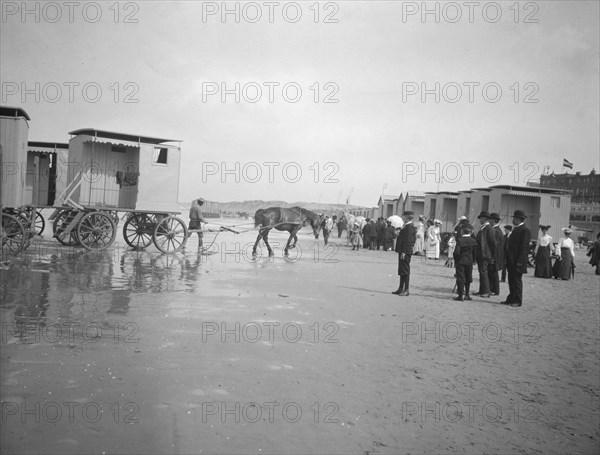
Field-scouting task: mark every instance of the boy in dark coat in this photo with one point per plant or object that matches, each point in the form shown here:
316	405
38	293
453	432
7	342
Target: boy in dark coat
464	256
498	264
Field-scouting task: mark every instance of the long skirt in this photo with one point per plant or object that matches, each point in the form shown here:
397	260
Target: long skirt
543	264
562	266
418	248
432	250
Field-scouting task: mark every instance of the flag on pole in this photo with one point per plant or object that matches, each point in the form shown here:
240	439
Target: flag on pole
567	163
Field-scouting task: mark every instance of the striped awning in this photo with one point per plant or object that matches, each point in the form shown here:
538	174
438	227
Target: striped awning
118	142
523	193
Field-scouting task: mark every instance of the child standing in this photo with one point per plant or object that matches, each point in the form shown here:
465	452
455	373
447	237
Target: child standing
356	236
451	247
464	254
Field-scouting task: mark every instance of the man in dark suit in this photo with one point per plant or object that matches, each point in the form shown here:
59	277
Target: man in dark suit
498	263
485	252
516	258
507	231
405	244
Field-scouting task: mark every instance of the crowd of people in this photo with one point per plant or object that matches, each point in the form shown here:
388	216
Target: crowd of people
500	253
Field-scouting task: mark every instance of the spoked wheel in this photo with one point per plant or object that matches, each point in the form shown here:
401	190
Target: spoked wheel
13	236
25	217
40	223
96	231
138	230
72	239
170	235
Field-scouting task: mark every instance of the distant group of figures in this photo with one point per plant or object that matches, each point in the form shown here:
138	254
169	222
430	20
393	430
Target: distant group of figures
361	232
563	254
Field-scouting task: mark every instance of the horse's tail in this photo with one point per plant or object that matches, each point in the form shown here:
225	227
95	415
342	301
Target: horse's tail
258	218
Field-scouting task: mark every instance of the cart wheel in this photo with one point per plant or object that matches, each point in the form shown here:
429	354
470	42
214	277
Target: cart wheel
138	230
72	240
96	231
13	236
170	235
40	223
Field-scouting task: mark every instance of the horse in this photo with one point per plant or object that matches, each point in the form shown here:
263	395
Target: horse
284	219
351	219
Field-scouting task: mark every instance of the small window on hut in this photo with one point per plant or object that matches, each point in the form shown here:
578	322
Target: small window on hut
160	156
118	148
554	202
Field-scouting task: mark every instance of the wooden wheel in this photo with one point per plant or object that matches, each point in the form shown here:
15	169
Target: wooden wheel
72	240
138	230
40	223
25	215
96	231
170	235
13	236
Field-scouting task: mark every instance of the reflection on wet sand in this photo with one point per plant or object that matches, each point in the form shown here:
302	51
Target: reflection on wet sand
75	287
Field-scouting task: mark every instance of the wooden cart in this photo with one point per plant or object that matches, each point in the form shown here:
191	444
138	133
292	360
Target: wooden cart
111	173
17	219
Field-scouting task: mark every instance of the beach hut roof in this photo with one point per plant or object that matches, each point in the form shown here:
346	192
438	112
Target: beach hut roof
32	146
121	136
9	111
528	190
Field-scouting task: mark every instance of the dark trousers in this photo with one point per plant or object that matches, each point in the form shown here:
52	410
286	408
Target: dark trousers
372	241
515	286
464	278
404	271
503	274
493	279
484	281
326	235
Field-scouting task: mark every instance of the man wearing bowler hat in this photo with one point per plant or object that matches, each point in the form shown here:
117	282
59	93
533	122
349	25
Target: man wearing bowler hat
405	244
498	264
517	248
485	253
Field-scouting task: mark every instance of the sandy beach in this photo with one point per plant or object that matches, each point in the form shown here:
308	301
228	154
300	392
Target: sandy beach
138	352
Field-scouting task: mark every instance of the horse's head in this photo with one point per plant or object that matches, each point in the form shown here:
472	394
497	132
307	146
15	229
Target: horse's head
315	221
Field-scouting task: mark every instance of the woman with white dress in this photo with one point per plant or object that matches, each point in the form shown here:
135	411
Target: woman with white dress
565	250
432	247
543	247
420	243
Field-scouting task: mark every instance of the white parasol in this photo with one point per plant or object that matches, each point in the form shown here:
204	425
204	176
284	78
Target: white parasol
396	221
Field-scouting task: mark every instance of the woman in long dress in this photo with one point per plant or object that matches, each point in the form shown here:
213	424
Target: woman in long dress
565	250
543	263
432	248
419	244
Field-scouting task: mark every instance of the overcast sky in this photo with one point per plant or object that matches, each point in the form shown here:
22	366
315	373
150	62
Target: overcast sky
374	58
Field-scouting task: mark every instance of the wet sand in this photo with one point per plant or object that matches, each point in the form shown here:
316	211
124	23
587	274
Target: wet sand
138	352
